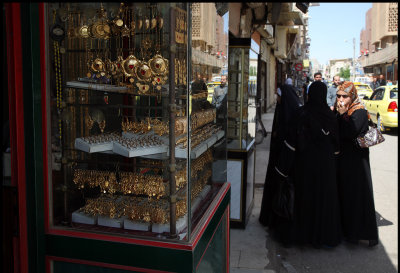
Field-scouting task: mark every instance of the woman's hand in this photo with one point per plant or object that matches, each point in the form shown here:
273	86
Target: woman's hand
341	108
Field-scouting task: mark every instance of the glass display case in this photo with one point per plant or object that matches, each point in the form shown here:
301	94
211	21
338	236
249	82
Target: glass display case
242	92
134	160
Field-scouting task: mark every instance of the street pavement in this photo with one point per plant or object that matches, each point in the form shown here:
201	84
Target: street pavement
252	250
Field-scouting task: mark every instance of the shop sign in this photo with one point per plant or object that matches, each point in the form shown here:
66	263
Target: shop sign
298	67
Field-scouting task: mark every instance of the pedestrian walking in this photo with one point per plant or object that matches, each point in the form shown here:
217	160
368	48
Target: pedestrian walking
284	111
219	101
375	83
381	80
308	160
354	172
317	77
331	96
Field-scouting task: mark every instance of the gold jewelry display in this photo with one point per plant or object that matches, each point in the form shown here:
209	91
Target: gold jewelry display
129	65
57	65
89	122
101	29
102	125
180	23
102	138
118	20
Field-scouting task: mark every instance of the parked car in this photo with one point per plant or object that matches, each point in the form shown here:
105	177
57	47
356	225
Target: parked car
382	106
363	89
366	80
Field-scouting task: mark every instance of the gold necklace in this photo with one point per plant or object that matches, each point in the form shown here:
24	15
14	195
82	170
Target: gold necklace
158	64
58	84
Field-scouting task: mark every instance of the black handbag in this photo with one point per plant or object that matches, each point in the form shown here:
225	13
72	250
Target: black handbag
283	200
372	137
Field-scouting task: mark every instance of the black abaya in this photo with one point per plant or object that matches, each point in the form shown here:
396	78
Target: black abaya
284	111
355	181
309	157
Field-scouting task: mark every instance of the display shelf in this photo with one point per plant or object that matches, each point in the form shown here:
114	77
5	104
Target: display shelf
84	146
125	223
83	218
143	151
181	223
136	225
118	148
109	222
97	86
201	148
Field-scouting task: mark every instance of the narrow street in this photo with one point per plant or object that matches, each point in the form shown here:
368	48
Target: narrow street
348	258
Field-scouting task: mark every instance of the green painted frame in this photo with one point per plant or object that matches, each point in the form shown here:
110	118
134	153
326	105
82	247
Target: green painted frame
42	245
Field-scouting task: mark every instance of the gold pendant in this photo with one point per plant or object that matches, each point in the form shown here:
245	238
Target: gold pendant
143	71
84	31
129	65
160	22
153	23
118	22
146	43
158	65
146	23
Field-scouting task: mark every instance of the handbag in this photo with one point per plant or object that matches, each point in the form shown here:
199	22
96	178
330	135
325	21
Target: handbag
372	137
283	200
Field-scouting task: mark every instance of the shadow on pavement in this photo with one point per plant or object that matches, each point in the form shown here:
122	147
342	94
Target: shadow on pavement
382	221
345	258
392	132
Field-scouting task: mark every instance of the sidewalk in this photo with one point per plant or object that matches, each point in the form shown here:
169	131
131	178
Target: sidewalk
248	247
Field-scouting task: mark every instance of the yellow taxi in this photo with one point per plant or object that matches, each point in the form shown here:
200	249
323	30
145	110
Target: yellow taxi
210	88
382	106
363	89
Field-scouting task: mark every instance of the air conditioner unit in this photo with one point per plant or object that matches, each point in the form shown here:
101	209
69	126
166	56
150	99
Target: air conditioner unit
281	42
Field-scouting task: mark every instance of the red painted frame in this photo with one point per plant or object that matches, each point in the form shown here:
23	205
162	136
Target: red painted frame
49	259
17	138
113	266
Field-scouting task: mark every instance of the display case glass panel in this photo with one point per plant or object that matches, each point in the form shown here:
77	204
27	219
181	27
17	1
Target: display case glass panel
242	97
136	147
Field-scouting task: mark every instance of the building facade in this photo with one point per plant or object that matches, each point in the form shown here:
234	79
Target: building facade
379	41
336	65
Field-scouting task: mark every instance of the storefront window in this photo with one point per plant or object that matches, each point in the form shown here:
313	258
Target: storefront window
128	107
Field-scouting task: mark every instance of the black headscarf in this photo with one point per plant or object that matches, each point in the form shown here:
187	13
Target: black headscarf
290	103
318	107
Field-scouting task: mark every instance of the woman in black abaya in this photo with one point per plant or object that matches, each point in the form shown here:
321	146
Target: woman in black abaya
309	158
285	108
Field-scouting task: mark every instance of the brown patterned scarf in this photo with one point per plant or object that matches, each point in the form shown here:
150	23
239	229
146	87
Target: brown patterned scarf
351	90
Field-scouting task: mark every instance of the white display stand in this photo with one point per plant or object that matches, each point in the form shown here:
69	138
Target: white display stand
83	218
84	146
109	222
124	151
201	148
136	225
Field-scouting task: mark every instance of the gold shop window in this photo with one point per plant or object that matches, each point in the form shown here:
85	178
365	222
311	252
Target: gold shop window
123	121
